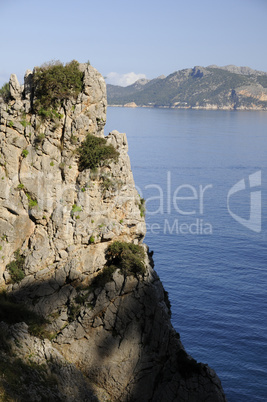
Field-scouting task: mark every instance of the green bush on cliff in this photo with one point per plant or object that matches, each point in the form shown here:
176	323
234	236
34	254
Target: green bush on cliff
94	152
5	92
128	257
31	202
24	153
55	82
75	208
15	268
142	207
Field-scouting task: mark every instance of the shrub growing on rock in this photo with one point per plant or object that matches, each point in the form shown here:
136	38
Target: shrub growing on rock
55	82
15	268
75	208
94	152
142	207
5	92
31	202
24	153
128	257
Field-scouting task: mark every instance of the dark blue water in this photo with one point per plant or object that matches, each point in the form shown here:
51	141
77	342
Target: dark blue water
212	264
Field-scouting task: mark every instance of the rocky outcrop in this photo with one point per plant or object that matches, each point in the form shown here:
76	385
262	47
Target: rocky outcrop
112	339
131	104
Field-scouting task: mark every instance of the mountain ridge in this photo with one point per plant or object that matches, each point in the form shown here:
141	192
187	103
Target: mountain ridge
229	87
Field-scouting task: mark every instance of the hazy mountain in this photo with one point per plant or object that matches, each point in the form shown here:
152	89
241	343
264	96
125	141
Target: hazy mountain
228	87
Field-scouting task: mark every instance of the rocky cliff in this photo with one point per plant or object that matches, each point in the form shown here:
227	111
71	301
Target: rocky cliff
79	323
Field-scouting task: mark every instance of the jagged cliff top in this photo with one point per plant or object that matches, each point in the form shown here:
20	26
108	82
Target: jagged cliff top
39	163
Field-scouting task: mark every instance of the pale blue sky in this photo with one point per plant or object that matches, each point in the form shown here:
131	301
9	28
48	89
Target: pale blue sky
140	37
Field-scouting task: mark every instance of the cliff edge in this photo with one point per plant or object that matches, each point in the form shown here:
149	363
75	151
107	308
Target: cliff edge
84	316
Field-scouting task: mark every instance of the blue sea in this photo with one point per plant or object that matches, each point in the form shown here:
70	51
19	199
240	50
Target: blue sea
204	177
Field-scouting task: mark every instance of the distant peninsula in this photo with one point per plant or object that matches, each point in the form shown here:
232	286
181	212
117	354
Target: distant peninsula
227	88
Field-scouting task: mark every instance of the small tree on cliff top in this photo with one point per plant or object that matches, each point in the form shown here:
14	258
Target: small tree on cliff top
55	82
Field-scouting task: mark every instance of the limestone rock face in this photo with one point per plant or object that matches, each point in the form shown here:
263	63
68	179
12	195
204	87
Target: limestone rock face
15	88
114	341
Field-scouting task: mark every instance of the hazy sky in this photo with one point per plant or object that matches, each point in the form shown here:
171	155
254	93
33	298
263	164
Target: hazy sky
128	40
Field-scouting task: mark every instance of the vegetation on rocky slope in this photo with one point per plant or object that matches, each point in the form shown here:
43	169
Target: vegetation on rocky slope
22	381
5	92
94	152
15	267
197	87
55	82
128	257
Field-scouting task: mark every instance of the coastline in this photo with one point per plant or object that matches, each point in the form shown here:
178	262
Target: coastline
209	107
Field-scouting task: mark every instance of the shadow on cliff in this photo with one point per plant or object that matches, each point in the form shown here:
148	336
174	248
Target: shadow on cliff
129	343
44	382
128	347
27	381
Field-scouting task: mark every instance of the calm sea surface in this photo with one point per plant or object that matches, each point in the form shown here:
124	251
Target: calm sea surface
209	242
